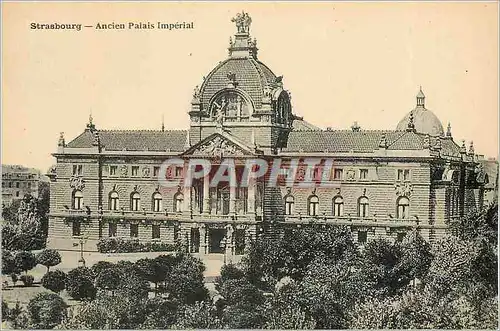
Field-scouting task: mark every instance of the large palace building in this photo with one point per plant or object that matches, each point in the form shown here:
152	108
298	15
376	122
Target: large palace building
381	184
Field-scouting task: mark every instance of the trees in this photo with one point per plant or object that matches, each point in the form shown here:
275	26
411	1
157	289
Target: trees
46	310
24	232
185	282
108	279
200	315
48	258
24	261
79	284
54	280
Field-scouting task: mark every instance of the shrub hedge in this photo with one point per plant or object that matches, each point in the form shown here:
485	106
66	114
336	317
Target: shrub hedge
120	245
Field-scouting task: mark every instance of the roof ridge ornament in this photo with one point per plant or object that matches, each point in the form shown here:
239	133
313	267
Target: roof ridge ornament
448	130
411	123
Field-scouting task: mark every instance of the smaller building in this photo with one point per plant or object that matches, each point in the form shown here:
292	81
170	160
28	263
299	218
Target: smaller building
18	181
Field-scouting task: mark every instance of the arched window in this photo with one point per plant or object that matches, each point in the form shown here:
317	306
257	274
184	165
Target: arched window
363	207
157	201
289	202
114	202
313	205
135	201
338	206
77	199
403	207
178	202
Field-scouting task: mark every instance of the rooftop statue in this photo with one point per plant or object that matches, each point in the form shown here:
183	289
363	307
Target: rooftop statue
243	22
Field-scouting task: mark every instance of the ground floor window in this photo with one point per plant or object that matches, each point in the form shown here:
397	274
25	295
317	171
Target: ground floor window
195	240
362	237
76	229
155	232
134	230
112	229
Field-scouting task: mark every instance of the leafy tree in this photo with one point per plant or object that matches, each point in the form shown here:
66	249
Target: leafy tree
228	272
161	313
54	280
100	266
9	213
79	284
25	261
185	282
106	312
200	315
8	263
46	310
416	256
153	270
108	279
5	311
269	260
476	224
285	310
25	231
48	258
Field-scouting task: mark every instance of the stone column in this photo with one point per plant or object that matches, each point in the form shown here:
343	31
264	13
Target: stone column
187	199
232	193
251	196
203	239
229	243
206	194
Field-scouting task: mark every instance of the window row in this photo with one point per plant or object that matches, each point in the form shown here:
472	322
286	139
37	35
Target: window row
313	203
113	229
134	201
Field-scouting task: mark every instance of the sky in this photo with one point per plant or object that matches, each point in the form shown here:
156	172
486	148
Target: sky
342	62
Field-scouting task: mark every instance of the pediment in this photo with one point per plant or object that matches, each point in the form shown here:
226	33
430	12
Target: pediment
219	145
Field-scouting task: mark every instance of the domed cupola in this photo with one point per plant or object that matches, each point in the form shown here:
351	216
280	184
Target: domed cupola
421	119
241	89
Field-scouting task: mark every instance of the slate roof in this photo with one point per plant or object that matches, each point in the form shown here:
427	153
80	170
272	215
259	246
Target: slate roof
134	140
301	125
251	74
363	141
425	121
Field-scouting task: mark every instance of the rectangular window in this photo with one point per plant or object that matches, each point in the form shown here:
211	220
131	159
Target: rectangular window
155	232
76	229
156	171
112	229
17	193
29	185
77	169
337	174
112	170
17	185
135	171
178	171
362	237
134	230
403	174
363	173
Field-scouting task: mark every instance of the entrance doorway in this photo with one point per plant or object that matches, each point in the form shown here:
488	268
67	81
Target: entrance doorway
215	237
195	240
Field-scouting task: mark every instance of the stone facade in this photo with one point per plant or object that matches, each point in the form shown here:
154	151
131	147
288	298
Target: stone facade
18	181
379	183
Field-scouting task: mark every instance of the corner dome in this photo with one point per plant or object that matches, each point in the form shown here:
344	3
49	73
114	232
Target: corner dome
421	119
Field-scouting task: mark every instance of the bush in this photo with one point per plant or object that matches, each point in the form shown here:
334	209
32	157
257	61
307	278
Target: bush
80	284
119	245
8	263
54	280
48	258
14	278
108	279
27	280
25	261
101	266
46	310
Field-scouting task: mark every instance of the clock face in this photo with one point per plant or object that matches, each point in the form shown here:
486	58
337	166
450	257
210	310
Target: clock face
230	105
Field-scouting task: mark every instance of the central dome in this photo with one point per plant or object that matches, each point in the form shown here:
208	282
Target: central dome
422	119
251	76
242	70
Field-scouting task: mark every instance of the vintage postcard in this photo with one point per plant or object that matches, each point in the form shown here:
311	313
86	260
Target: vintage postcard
249	165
